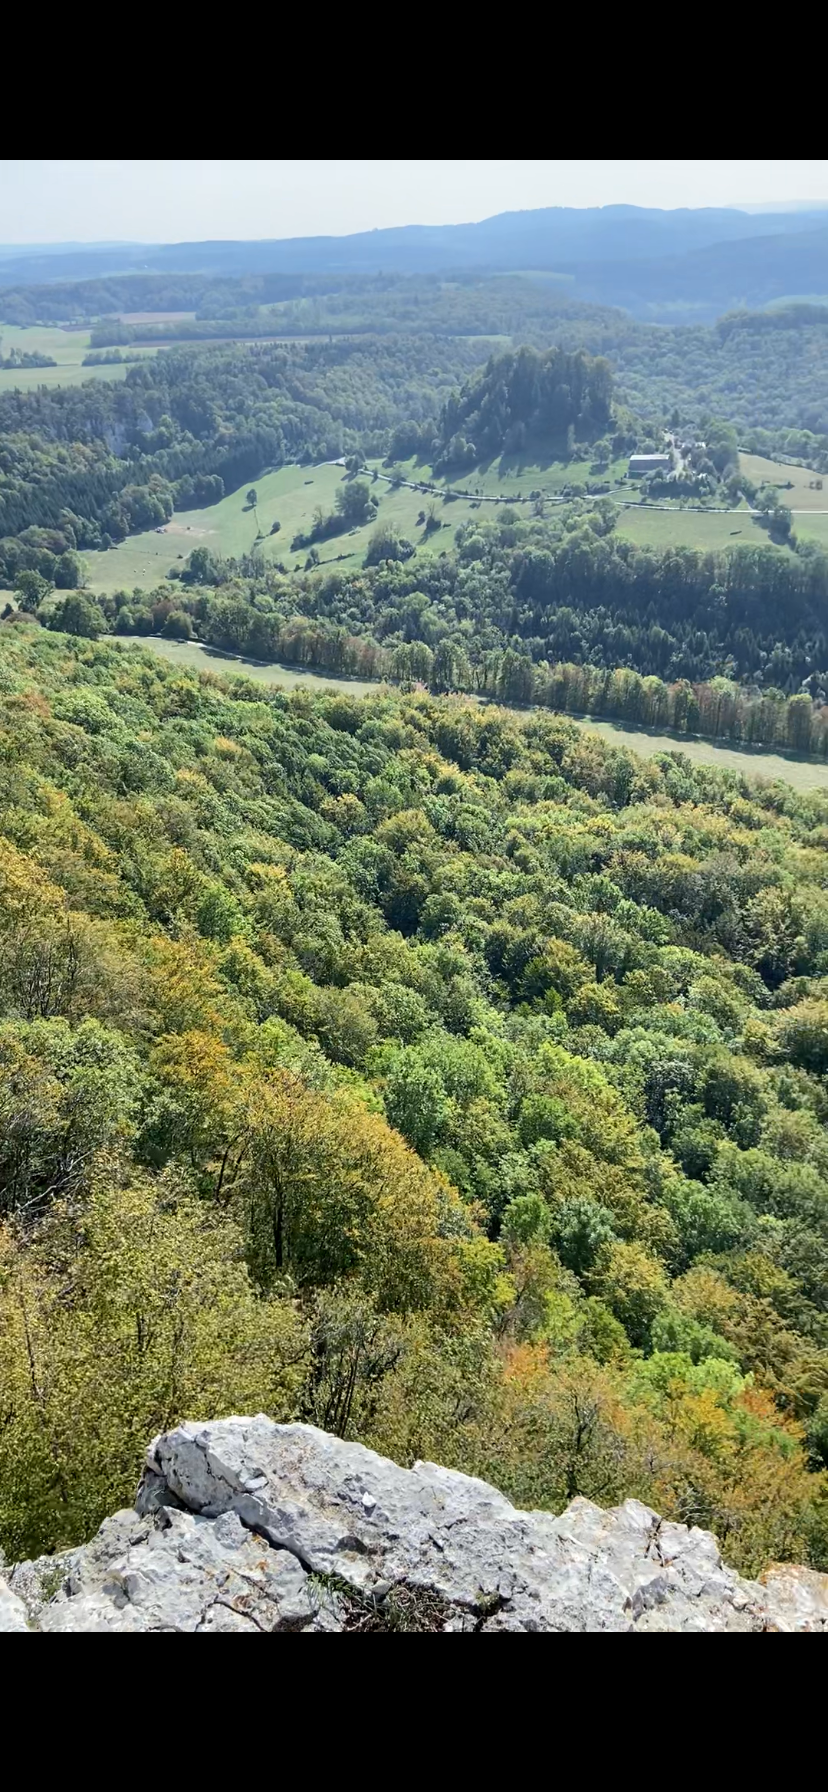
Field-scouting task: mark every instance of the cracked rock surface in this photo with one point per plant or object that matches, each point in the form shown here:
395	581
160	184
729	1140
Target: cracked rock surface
246	1525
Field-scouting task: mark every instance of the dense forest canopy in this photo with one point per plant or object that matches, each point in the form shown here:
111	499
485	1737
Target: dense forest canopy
766	371
382	305
454	1081
525	399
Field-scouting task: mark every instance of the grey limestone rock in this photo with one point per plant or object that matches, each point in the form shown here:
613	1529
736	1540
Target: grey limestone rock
13	1615
243	1524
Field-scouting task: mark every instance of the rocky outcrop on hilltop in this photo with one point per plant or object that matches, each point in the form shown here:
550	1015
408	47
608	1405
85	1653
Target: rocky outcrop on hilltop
243	1524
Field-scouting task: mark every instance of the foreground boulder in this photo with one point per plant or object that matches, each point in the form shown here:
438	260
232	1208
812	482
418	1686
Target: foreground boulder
247	1525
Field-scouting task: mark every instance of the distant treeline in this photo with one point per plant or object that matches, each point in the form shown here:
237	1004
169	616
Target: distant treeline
112	357
18	357
188	329
566	587
230	621
65	301
765	372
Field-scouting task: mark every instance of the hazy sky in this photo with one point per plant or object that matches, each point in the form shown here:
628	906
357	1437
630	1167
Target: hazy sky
43	202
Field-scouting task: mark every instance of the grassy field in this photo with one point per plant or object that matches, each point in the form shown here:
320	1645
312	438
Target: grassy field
692	528
803	774
812	528
796	482
291	495
156	317
67	347
513	476
208	659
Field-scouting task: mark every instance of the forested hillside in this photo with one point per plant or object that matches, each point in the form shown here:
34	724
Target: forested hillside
102	460
524	400
765	371
448	1079
65	299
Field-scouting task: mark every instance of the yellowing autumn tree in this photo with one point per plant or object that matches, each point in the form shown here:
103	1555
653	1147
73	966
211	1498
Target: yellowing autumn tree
117	1321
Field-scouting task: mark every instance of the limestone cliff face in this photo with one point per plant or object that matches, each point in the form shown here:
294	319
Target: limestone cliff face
246	1525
